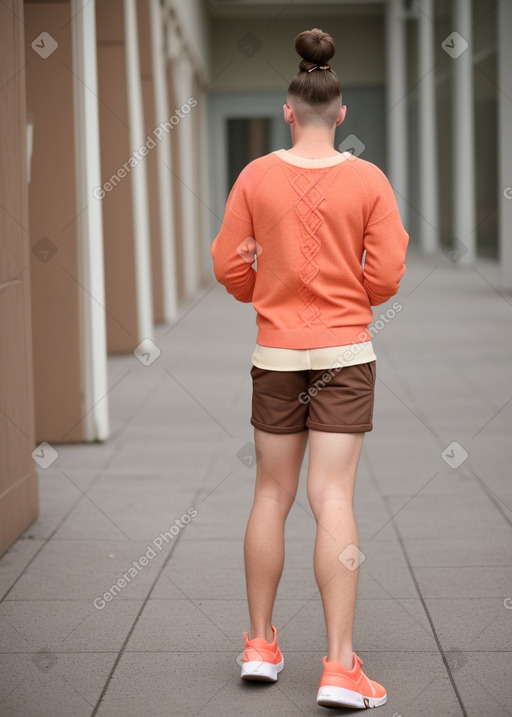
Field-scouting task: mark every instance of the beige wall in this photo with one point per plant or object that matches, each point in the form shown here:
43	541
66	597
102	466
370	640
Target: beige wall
18	477
272	66
118	229
53	213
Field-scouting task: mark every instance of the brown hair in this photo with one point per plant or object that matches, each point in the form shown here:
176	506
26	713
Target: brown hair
316	86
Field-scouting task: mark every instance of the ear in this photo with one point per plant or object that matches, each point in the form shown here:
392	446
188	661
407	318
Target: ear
341	115
289	116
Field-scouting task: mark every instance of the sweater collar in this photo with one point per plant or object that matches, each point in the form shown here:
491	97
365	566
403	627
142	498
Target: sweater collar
312	163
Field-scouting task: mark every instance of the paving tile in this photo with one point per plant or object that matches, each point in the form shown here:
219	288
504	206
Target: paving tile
65	625
458	552
184	683
176	625
416	682
15	560
483	679
390	624
482	624
82	570
52	684
464	582
434	516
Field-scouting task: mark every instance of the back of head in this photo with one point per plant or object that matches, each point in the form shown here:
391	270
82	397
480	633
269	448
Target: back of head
315	88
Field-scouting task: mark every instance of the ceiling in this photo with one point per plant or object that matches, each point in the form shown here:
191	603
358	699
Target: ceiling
292	8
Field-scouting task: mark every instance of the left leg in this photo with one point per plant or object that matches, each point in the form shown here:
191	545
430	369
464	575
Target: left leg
280	459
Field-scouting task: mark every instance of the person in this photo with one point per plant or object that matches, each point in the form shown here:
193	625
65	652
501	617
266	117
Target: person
324	230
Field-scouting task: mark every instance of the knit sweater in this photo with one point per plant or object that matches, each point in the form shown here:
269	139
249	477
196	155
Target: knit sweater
307	223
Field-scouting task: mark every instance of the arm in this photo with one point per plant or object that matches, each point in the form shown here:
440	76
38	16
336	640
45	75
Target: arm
385	242
234	248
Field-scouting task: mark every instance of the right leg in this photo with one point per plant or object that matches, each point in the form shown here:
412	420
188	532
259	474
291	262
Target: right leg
333	460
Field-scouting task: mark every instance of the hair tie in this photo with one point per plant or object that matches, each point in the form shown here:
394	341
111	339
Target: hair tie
319	67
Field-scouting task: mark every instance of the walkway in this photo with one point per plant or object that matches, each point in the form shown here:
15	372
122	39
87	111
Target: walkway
434	614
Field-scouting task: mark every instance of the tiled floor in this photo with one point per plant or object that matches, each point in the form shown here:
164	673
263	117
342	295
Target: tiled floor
434	613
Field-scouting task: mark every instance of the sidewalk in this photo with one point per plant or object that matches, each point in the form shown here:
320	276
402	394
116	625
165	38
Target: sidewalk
434	611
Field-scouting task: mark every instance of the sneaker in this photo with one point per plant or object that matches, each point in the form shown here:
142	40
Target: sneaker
261	660
340	687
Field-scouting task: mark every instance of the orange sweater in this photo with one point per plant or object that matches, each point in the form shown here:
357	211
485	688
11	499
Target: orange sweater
307	224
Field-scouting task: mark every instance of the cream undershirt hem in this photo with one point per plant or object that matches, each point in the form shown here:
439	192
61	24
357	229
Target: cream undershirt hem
318	163
279	359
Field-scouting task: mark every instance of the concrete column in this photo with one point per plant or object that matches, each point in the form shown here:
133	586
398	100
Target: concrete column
205	211
89	224
396	102
18	475
123	176
427	171
151	160
138	175
463	136
504	82
182	72
58	233
164	161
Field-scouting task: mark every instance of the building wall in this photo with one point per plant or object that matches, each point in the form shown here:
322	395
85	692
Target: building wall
258	54
18	477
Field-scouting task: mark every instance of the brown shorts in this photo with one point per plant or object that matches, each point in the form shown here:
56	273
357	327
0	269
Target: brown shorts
338	400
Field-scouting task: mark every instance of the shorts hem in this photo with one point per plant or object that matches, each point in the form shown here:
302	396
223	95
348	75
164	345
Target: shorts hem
361	428
278	429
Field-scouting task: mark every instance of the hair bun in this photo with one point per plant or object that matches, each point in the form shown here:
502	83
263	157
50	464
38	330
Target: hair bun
315	47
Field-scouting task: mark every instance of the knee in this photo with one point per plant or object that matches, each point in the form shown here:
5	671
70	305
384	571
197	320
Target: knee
320	501
275	499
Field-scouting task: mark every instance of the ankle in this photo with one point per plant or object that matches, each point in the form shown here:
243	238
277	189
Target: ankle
265	633
345	657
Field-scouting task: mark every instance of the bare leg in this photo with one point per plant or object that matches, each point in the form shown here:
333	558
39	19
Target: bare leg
333	460
280	459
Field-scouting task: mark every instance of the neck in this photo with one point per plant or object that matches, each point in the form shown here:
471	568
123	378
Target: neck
312	142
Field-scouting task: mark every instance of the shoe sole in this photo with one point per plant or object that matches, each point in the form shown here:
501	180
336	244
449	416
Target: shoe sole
263	671
340	697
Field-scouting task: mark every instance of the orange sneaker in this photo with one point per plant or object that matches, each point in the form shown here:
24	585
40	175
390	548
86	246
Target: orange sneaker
261	660
340	687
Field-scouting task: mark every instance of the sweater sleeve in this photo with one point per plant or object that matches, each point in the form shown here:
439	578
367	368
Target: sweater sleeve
385	241
234	248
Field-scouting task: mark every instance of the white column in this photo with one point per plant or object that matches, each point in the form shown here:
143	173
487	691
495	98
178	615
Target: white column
90	227
504	83
396	103
182	71
427	171
463	155
138	176
165	178
204	179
